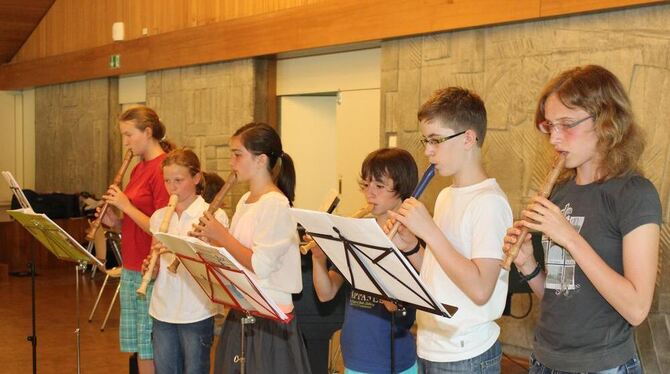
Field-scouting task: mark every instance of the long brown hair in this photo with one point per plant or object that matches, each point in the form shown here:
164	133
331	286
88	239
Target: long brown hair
600	93
143	117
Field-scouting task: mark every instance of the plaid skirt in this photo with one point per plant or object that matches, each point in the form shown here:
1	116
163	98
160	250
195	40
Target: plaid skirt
135	325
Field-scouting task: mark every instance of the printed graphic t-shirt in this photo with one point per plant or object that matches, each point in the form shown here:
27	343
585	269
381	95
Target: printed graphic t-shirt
578	329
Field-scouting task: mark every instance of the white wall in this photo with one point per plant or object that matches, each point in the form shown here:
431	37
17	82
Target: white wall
329	73
355	78
308	127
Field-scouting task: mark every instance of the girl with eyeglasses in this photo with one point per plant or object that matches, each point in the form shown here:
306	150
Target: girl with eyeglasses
600	230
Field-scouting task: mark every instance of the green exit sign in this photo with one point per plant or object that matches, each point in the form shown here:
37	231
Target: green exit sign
114	61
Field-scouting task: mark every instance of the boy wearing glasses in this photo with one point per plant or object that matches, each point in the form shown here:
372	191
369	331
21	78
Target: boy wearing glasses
461	262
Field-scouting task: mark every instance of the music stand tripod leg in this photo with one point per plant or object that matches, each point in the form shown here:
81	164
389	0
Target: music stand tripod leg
111	306
246	320
97	300
80	266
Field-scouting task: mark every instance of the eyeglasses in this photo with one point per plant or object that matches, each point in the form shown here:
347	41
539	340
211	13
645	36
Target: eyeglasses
436	141
547	126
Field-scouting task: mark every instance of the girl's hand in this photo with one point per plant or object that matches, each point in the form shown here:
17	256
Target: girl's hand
545	216
110	219
156	248
210	230
524	259
117	198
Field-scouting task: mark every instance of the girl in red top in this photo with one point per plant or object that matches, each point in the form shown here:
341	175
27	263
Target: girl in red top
144	134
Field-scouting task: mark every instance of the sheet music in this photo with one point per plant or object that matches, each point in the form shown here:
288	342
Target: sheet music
222	277
53	237
372	263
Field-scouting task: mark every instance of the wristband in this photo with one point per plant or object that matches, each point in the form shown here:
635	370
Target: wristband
533	274
413	250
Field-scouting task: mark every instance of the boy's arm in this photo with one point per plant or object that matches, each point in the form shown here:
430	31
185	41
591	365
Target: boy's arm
407	243
326	282
476	277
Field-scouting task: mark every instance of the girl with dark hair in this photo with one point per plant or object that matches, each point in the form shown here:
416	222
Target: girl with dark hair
264	239
182	315
388	176
144	134
600	230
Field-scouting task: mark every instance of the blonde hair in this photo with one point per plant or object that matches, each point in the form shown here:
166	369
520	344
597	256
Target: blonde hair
600	93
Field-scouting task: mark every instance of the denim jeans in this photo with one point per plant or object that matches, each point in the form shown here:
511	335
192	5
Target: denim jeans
182	348
486	363
631	366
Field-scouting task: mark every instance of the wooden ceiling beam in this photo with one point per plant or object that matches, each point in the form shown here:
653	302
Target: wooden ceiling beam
311	26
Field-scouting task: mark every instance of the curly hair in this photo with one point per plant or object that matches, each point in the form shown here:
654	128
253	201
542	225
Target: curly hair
600	93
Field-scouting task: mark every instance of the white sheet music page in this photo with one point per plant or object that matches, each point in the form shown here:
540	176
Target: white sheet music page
367	258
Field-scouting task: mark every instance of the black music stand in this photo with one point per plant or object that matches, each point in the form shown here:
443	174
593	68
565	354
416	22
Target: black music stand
63	246
369	261
25	205
225	281
58	242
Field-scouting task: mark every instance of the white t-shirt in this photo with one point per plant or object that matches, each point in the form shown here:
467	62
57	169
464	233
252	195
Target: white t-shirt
474	219
177	297
267	227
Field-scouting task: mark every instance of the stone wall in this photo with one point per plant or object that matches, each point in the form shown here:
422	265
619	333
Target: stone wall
508	65
72	135
202	106
77	133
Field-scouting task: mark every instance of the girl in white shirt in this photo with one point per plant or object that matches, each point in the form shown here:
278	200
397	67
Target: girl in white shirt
183	316
263	238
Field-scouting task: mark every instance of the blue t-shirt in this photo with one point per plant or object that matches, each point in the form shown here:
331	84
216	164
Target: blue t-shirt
366	336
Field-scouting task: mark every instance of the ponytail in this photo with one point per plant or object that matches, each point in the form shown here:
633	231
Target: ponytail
259	138
144	117
285	176
166	145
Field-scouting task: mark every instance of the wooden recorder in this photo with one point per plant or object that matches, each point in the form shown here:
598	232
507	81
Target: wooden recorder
216	203
545	191
165	224
90	235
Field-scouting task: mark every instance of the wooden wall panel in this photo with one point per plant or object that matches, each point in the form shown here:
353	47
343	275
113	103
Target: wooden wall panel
327	23
73	25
